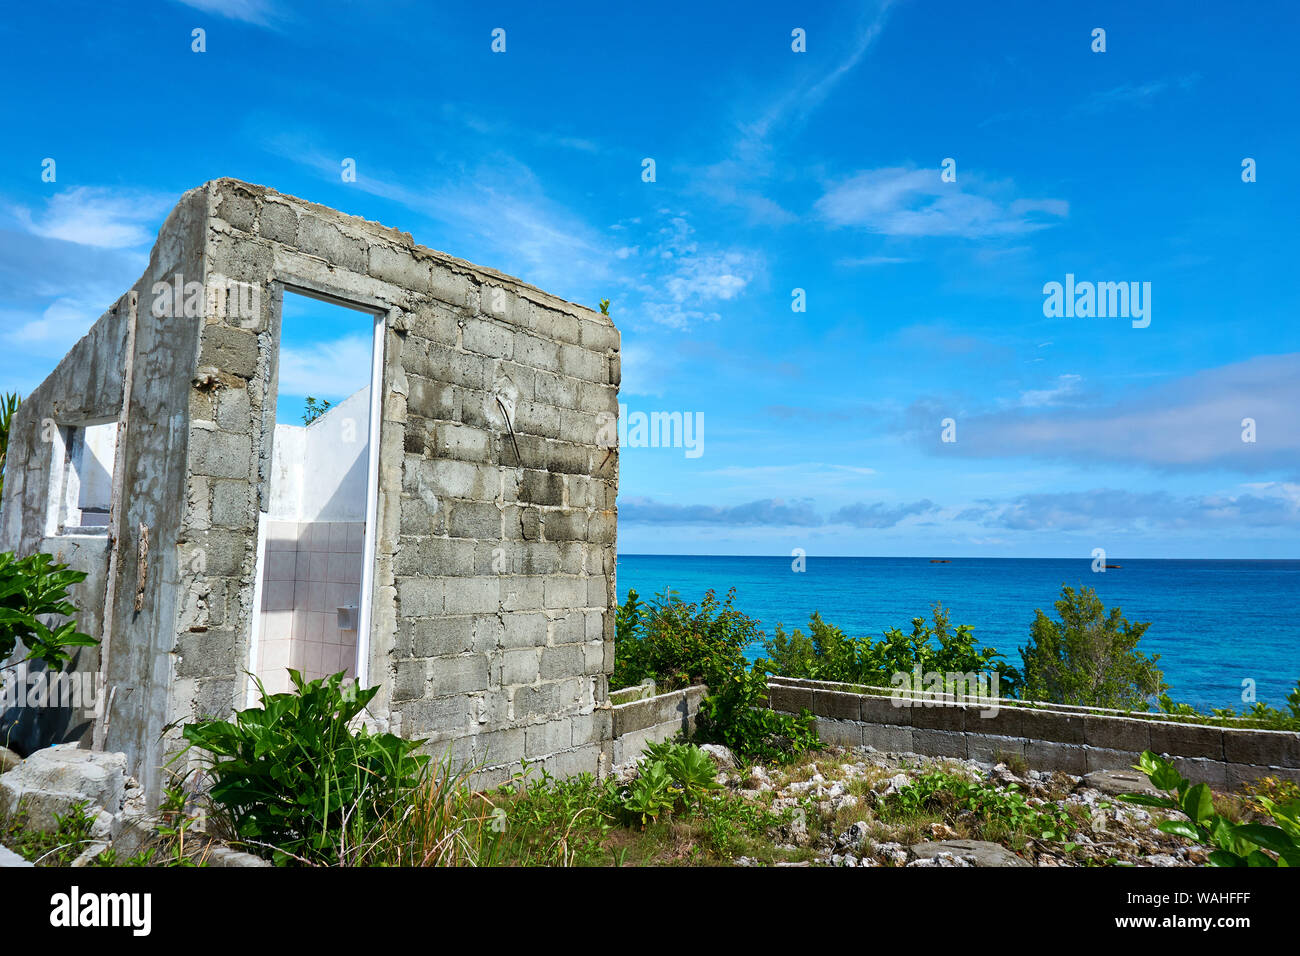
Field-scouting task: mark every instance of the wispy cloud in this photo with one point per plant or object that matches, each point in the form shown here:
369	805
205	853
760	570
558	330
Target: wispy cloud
1194	422
97	217
772	512
261	13
767	512
911	202
320	368
1119	510
1137	94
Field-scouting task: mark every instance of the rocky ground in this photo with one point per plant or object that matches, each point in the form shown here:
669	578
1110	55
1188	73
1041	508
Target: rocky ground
846	819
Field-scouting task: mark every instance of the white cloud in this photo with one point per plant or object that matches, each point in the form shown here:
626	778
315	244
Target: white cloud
1065	389
97	217
902	201
320	368
259	12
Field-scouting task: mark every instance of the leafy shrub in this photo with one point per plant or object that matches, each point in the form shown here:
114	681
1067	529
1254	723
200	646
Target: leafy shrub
989	807
1235	844
1258	714
735	714
1275	789
670	777
1089	657
827	653
679	643
32	588
293	778
8	405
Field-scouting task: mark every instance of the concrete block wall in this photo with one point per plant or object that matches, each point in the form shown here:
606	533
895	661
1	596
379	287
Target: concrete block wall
1075	740
652	720
492	629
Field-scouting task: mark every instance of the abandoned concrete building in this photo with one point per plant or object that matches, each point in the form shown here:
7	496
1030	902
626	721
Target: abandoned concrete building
446	533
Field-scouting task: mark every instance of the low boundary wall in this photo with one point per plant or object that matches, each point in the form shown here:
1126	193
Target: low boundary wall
652	719
1075	740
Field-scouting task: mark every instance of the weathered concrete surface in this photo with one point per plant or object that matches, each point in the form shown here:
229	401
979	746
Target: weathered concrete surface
1075	740
493	592
51	782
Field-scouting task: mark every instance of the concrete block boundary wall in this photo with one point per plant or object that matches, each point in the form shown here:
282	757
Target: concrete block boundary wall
653	719
1072	739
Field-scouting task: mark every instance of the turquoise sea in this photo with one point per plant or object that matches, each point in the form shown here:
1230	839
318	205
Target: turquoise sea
1213	623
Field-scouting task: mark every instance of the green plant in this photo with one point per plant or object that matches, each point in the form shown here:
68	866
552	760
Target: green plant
57	847
991	808
1235	844
1275	789
691	769
1259	714
292	777
651	794
604	306
679	643
8	405
735	714
827	653
1089	657
314	409
34	590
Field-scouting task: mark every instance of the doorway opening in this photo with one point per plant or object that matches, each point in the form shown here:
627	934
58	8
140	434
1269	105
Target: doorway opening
316	532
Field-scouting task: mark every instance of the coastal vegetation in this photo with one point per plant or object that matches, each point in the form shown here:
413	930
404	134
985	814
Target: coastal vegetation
1089	657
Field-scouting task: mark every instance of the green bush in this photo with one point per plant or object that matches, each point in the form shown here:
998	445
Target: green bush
294	781
33	588
1235	844
1259	714
1089	657
827	653
736	714
679	643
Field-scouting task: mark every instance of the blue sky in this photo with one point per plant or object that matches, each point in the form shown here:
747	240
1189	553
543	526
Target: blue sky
775	171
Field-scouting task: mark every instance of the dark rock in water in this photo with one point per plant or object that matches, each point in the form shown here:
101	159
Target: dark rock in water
940	561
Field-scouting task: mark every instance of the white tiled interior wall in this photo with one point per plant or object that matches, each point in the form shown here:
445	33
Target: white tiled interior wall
312	568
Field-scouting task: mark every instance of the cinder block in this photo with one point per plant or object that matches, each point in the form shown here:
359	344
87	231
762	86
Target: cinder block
1202	770
885	710
1053	755
1187	740
440	636
1100	758
1052	727
939	743
791	700
938	716
400	267
842	733
1271	748
1238	775
567	660
546	738
320	237
837	705
457	675
1117	733
991	748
